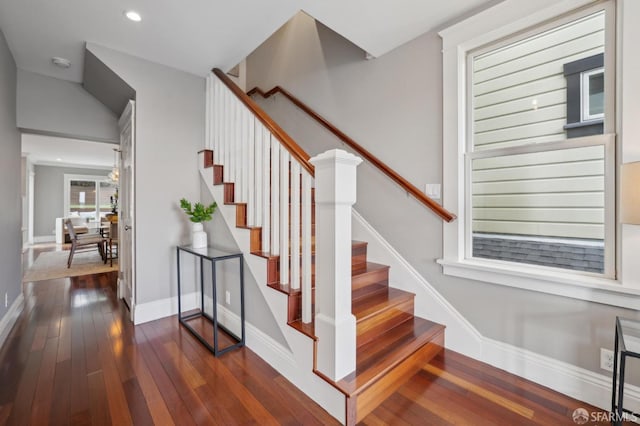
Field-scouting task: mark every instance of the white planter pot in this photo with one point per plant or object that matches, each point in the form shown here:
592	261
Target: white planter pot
198	236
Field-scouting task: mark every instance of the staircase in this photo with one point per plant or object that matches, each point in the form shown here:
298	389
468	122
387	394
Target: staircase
392	344
267	177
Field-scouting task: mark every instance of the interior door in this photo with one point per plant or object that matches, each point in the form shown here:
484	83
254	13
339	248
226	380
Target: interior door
126	214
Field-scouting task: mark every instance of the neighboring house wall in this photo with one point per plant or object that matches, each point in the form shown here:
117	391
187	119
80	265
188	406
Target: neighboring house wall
49	195
520	98
392	105
62	108
506	81
10	165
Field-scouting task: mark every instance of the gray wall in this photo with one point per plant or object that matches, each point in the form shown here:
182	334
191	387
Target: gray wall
63	108
48	197
392	105
169	133
10	191
256	308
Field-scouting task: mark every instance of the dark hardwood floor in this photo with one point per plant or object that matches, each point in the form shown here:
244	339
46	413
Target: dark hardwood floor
75	358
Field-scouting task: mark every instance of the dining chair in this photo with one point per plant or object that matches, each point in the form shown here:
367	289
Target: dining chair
84	243
111	242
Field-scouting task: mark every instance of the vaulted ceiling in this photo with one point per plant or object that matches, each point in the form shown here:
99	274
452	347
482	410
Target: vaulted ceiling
196	35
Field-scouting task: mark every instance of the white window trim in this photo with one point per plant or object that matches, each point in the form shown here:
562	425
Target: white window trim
95	178
585	84
496	23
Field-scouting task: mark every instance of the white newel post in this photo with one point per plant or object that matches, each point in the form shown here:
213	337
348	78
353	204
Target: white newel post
335	325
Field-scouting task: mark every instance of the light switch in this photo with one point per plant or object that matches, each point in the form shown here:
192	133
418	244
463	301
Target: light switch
432	190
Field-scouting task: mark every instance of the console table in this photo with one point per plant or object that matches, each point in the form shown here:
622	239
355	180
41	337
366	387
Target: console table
627	344
202	324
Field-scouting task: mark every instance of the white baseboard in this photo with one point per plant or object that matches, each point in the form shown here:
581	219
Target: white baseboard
151	311
255	339
44	239
8	321
583	385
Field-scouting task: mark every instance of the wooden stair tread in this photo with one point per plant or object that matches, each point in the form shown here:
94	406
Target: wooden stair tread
371	268
307	329
389	350
367	306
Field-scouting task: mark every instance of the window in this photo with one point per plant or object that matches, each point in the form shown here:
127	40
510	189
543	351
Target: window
538	180
585	96
88	196
465	143
592	95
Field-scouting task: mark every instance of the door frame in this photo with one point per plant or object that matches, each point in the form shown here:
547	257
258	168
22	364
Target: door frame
128	116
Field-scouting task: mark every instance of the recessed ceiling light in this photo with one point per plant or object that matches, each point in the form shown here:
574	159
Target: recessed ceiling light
133	16
58	159
61	62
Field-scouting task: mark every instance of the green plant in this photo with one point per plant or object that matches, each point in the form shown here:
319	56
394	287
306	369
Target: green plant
199	212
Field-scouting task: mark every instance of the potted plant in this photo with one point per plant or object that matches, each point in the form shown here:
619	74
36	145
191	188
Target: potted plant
198	213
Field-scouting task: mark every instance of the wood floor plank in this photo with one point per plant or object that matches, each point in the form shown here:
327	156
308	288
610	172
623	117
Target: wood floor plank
481	391
224	380
155	403
118	406
44	390
59	413
176	406
196	407
98	401
26	388
137	403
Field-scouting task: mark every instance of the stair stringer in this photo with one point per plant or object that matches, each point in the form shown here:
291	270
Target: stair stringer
462	336
295	362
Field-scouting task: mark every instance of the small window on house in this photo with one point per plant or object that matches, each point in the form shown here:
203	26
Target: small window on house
593	95
539	165
585	96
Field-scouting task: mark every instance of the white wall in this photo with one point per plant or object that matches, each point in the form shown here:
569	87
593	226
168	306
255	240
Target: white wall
10	165
393	107
62	108
169	133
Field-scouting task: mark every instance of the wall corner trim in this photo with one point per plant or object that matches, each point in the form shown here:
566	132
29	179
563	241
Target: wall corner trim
8	321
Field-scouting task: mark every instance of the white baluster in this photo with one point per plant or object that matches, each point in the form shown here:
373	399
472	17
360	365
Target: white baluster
284	216
216	119
266	189
207	113
258	191
231	134
227	134
275	196
295	225
242	158
251	170
306	247
238	150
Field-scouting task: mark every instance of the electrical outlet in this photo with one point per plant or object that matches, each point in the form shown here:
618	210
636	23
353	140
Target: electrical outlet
6	300
227	297
606	359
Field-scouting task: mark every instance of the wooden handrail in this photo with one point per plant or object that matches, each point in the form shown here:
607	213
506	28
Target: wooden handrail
404	184
290	145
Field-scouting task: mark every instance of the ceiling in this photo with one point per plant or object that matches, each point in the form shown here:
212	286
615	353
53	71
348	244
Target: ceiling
54	151
196	35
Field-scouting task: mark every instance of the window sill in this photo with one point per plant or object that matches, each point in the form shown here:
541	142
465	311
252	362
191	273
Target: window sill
589	288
